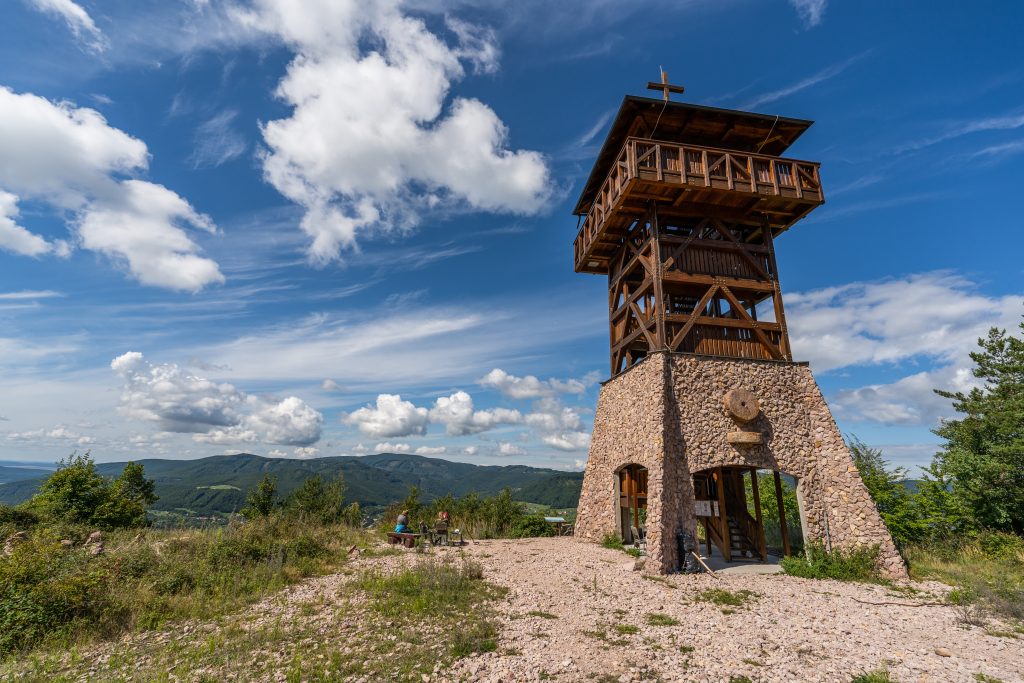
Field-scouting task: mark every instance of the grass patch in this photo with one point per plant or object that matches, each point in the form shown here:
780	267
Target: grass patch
876	676
988	572
985	678
856	564
542	615
626	629
657	619
612	542
55	597
723	597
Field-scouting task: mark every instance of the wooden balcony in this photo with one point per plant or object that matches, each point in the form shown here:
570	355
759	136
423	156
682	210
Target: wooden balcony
701	180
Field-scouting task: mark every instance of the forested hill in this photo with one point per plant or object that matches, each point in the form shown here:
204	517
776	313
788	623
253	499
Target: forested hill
219	483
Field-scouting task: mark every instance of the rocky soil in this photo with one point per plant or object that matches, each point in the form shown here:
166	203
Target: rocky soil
577	612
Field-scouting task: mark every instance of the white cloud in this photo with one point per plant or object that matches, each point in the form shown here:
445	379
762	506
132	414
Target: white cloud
819	77
59	434
386	447
508	448
531	387
579	464
140	228
937	315
213	413
391	416
456	413
78	22
16	239
71	159
278	453
330	385
810	11
306	452
558	426
217	141
360	449
910	401
371	143
1011	121
471	450
431	450
30	294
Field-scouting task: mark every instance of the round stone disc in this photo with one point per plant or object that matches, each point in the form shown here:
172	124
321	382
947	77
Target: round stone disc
742	404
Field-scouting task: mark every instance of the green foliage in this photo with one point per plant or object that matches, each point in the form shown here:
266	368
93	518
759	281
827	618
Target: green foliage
895	503
262	500
658	619
16	519
496	517
612	542
722	596
982	460
529	526
770	510
316	500
876	676
855	564
50	594
77	494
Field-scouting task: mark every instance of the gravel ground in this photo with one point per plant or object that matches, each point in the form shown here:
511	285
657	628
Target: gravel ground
792	630
579	612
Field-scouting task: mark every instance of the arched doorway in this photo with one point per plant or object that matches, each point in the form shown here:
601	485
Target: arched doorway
745	512
632	489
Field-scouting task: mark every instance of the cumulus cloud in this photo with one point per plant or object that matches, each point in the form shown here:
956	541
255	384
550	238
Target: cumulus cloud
389	417
306	452
59	433
431	450
16	239
558	426
372	141
937	315
180	402
509	448
71	159
471	450
531	387
456	413
77	20
928	317
386	447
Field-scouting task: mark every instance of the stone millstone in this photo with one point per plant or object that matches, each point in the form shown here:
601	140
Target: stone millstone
742	404
744	438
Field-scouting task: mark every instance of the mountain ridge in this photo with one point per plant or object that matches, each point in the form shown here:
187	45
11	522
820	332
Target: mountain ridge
218	483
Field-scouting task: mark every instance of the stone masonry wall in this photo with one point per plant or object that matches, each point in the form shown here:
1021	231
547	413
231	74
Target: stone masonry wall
667	414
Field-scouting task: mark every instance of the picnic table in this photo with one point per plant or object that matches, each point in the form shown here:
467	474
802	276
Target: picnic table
562	527
404	539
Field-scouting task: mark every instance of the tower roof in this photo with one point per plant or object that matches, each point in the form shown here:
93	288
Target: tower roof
689	123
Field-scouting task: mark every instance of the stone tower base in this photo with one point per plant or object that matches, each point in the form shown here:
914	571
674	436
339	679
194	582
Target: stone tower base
666	414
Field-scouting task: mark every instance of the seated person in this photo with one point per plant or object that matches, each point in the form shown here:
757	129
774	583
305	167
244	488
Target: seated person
403	523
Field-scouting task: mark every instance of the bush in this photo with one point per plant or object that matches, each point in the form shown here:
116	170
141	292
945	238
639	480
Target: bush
16	519
855	564
531	526
45	589
77	494
612	542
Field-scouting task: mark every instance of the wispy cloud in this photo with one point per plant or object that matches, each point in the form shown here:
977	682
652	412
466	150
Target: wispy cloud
1006	122
1000	151
217	141
810	11
78	22
29	294
820	77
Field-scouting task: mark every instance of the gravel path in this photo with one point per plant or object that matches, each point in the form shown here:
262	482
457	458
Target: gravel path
792	630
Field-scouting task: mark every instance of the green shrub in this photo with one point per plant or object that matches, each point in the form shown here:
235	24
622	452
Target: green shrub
612	542
45	589
16	519
531	526
77	494
856	564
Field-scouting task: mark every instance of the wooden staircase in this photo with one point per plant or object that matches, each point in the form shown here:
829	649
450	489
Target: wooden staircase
737	534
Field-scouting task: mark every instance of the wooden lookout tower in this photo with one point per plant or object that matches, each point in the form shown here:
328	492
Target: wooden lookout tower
681	213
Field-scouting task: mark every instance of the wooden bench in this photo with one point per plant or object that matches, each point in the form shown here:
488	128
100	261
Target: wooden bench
407	540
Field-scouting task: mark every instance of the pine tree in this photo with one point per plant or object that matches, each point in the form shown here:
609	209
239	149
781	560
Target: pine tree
982	461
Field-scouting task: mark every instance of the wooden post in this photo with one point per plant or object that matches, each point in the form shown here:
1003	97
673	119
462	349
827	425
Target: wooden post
762	544
782	515
723	519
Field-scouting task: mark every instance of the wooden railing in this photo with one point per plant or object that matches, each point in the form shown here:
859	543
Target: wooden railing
701	167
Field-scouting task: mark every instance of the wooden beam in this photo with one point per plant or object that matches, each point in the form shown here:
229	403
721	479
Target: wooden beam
761	543
723	518
741	284
681	334
722	322
782	515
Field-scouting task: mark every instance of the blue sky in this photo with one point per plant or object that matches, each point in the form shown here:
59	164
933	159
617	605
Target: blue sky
327	227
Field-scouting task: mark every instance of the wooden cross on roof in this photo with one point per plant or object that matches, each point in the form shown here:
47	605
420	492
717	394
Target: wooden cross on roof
665	87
